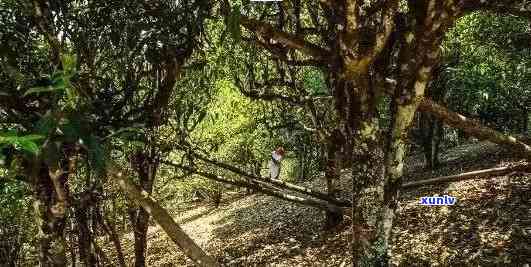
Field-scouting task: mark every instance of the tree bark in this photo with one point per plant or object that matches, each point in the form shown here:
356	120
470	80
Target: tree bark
525	121
429	129
110	229
146	166
86	255
50	219
161	216
332	172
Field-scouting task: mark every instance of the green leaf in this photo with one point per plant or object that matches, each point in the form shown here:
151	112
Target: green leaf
33	137
46	124
58	75
72	129
60	84
42	89
96	154
29	146
26	143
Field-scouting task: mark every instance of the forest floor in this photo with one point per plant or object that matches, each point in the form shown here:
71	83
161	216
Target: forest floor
489	225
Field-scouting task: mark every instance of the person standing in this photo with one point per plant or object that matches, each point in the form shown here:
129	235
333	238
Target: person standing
274	164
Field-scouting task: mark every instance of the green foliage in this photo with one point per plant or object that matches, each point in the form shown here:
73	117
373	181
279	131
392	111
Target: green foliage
28	143
231	128
314	83
17	229
489	79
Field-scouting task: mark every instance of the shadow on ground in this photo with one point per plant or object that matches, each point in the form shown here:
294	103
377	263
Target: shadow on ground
269	231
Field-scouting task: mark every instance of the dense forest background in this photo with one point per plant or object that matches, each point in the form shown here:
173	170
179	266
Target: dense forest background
117	117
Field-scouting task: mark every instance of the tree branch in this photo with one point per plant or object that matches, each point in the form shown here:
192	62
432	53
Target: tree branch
289	40
469	175
255	186
279	183
161	216
473	127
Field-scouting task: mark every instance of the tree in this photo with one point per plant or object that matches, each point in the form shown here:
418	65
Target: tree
361	45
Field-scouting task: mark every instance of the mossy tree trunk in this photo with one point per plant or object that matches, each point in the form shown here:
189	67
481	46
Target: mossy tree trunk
418	57
50	217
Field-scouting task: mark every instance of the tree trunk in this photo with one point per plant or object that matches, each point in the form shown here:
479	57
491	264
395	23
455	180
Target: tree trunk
395	152
367	172
73	256
525	121
140	228
332	172
50	217
356	106
110	229
161	216
86	255
146	167
431	135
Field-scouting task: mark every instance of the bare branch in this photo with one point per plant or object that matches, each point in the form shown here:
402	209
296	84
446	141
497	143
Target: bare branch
266	190
265	181
469	175
267	31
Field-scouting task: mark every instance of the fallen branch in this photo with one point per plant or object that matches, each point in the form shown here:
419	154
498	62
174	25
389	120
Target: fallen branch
469	175
278	183
473	127
161	216
317	203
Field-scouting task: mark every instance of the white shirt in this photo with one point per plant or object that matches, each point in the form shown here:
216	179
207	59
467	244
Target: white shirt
274	168
276	156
